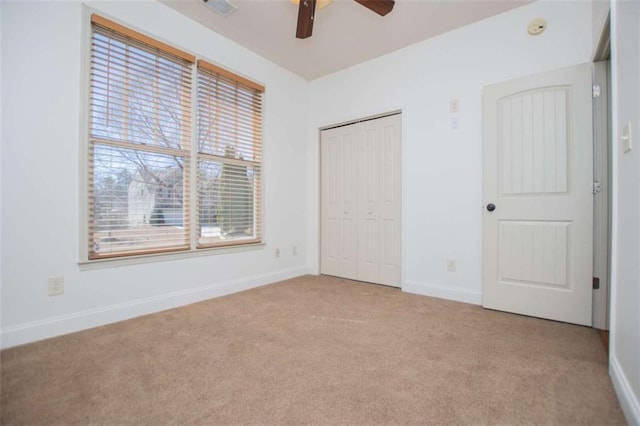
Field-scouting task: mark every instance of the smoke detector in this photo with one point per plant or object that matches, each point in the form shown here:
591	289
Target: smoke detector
221	7
537	26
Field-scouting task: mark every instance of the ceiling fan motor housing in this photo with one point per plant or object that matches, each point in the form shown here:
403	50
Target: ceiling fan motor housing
307	8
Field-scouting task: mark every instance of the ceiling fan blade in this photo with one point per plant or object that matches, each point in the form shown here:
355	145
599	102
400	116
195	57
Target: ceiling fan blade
306	12
381	7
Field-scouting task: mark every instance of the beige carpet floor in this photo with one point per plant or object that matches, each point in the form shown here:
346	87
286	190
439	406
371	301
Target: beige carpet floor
314	350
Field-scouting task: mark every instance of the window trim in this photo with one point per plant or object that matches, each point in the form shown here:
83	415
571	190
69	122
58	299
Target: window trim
111	262
90	15
98	19
226	73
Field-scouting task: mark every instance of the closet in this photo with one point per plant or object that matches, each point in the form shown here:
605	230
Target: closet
361	200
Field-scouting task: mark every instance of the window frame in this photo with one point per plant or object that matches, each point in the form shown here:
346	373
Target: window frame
221	77
191	217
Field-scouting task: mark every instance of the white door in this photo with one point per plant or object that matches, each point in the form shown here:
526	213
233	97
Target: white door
538	202
380	195
339	202
368	196
362	201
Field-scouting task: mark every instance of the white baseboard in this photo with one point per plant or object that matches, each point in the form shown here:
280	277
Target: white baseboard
50	327
443	292
628	400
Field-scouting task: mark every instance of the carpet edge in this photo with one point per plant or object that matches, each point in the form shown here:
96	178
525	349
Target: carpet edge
443	292
33	331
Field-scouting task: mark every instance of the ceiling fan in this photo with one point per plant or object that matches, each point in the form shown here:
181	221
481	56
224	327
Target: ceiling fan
307	10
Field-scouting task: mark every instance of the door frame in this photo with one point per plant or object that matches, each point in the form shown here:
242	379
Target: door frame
402	185
602	173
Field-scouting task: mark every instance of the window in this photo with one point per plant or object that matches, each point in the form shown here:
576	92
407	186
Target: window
144	153
229	154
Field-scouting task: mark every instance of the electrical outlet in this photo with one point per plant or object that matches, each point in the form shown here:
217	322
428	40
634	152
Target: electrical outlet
294	250
56	286
451	265
277	252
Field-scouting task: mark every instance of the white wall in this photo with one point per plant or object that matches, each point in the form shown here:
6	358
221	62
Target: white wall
42	102
1	259
443	167
625	289
599	12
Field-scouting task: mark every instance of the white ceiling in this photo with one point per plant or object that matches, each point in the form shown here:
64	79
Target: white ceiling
344	33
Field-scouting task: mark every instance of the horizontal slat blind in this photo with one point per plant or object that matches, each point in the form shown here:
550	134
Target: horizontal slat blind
139	144
229	158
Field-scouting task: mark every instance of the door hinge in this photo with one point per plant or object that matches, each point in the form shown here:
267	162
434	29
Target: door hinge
597	187
596	91
596	283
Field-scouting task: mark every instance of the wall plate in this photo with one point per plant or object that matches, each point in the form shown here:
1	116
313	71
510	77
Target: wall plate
626	138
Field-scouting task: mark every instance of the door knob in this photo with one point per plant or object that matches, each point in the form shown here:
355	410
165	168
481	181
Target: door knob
491	207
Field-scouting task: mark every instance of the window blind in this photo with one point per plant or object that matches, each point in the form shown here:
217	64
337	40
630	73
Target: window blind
229	158
139	143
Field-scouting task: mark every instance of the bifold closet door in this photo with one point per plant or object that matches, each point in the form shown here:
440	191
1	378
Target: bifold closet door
361	201
379	201
339	255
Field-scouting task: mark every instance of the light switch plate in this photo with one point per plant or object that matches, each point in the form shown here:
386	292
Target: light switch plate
626	138
451	265
454	106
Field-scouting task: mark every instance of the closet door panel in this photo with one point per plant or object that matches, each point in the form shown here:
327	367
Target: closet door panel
369	196
348	182
390	205
330	220
339	183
